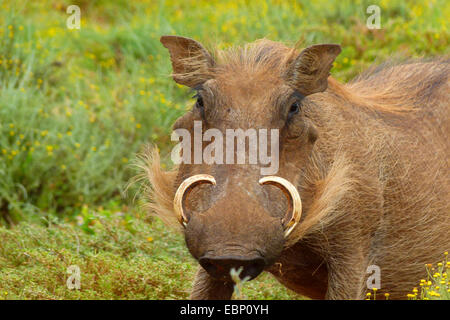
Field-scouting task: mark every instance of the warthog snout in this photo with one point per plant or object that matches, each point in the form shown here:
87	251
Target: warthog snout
237	230
220	267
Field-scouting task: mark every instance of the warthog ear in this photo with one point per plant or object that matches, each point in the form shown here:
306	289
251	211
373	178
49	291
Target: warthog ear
190	60
309	71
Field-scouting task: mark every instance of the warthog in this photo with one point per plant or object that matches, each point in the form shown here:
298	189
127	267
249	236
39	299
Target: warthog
363	173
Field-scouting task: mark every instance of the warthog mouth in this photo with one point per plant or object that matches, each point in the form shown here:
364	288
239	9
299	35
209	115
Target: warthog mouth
221	267
289	221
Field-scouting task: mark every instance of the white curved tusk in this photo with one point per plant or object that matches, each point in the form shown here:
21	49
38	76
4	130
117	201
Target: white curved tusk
295	202
183	191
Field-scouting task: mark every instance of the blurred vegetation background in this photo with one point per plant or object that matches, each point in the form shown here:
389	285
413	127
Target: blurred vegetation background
76	106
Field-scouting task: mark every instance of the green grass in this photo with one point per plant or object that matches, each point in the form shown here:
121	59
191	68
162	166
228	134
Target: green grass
77	105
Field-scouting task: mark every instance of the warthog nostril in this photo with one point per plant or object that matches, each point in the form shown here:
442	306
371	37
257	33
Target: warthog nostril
220	267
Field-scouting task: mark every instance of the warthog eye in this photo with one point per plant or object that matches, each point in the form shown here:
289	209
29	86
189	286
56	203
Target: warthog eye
199	104
295	108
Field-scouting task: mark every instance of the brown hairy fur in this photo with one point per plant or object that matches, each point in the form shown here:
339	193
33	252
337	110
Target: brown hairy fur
376	186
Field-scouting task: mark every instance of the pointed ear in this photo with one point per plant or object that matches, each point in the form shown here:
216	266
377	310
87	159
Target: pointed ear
308	73
190	60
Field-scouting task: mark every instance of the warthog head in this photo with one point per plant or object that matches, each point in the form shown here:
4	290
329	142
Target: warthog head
233	215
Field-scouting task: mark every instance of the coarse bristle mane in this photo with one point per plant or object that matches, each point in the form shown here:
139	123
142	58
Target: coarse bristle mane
391	88
259	57
394	86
